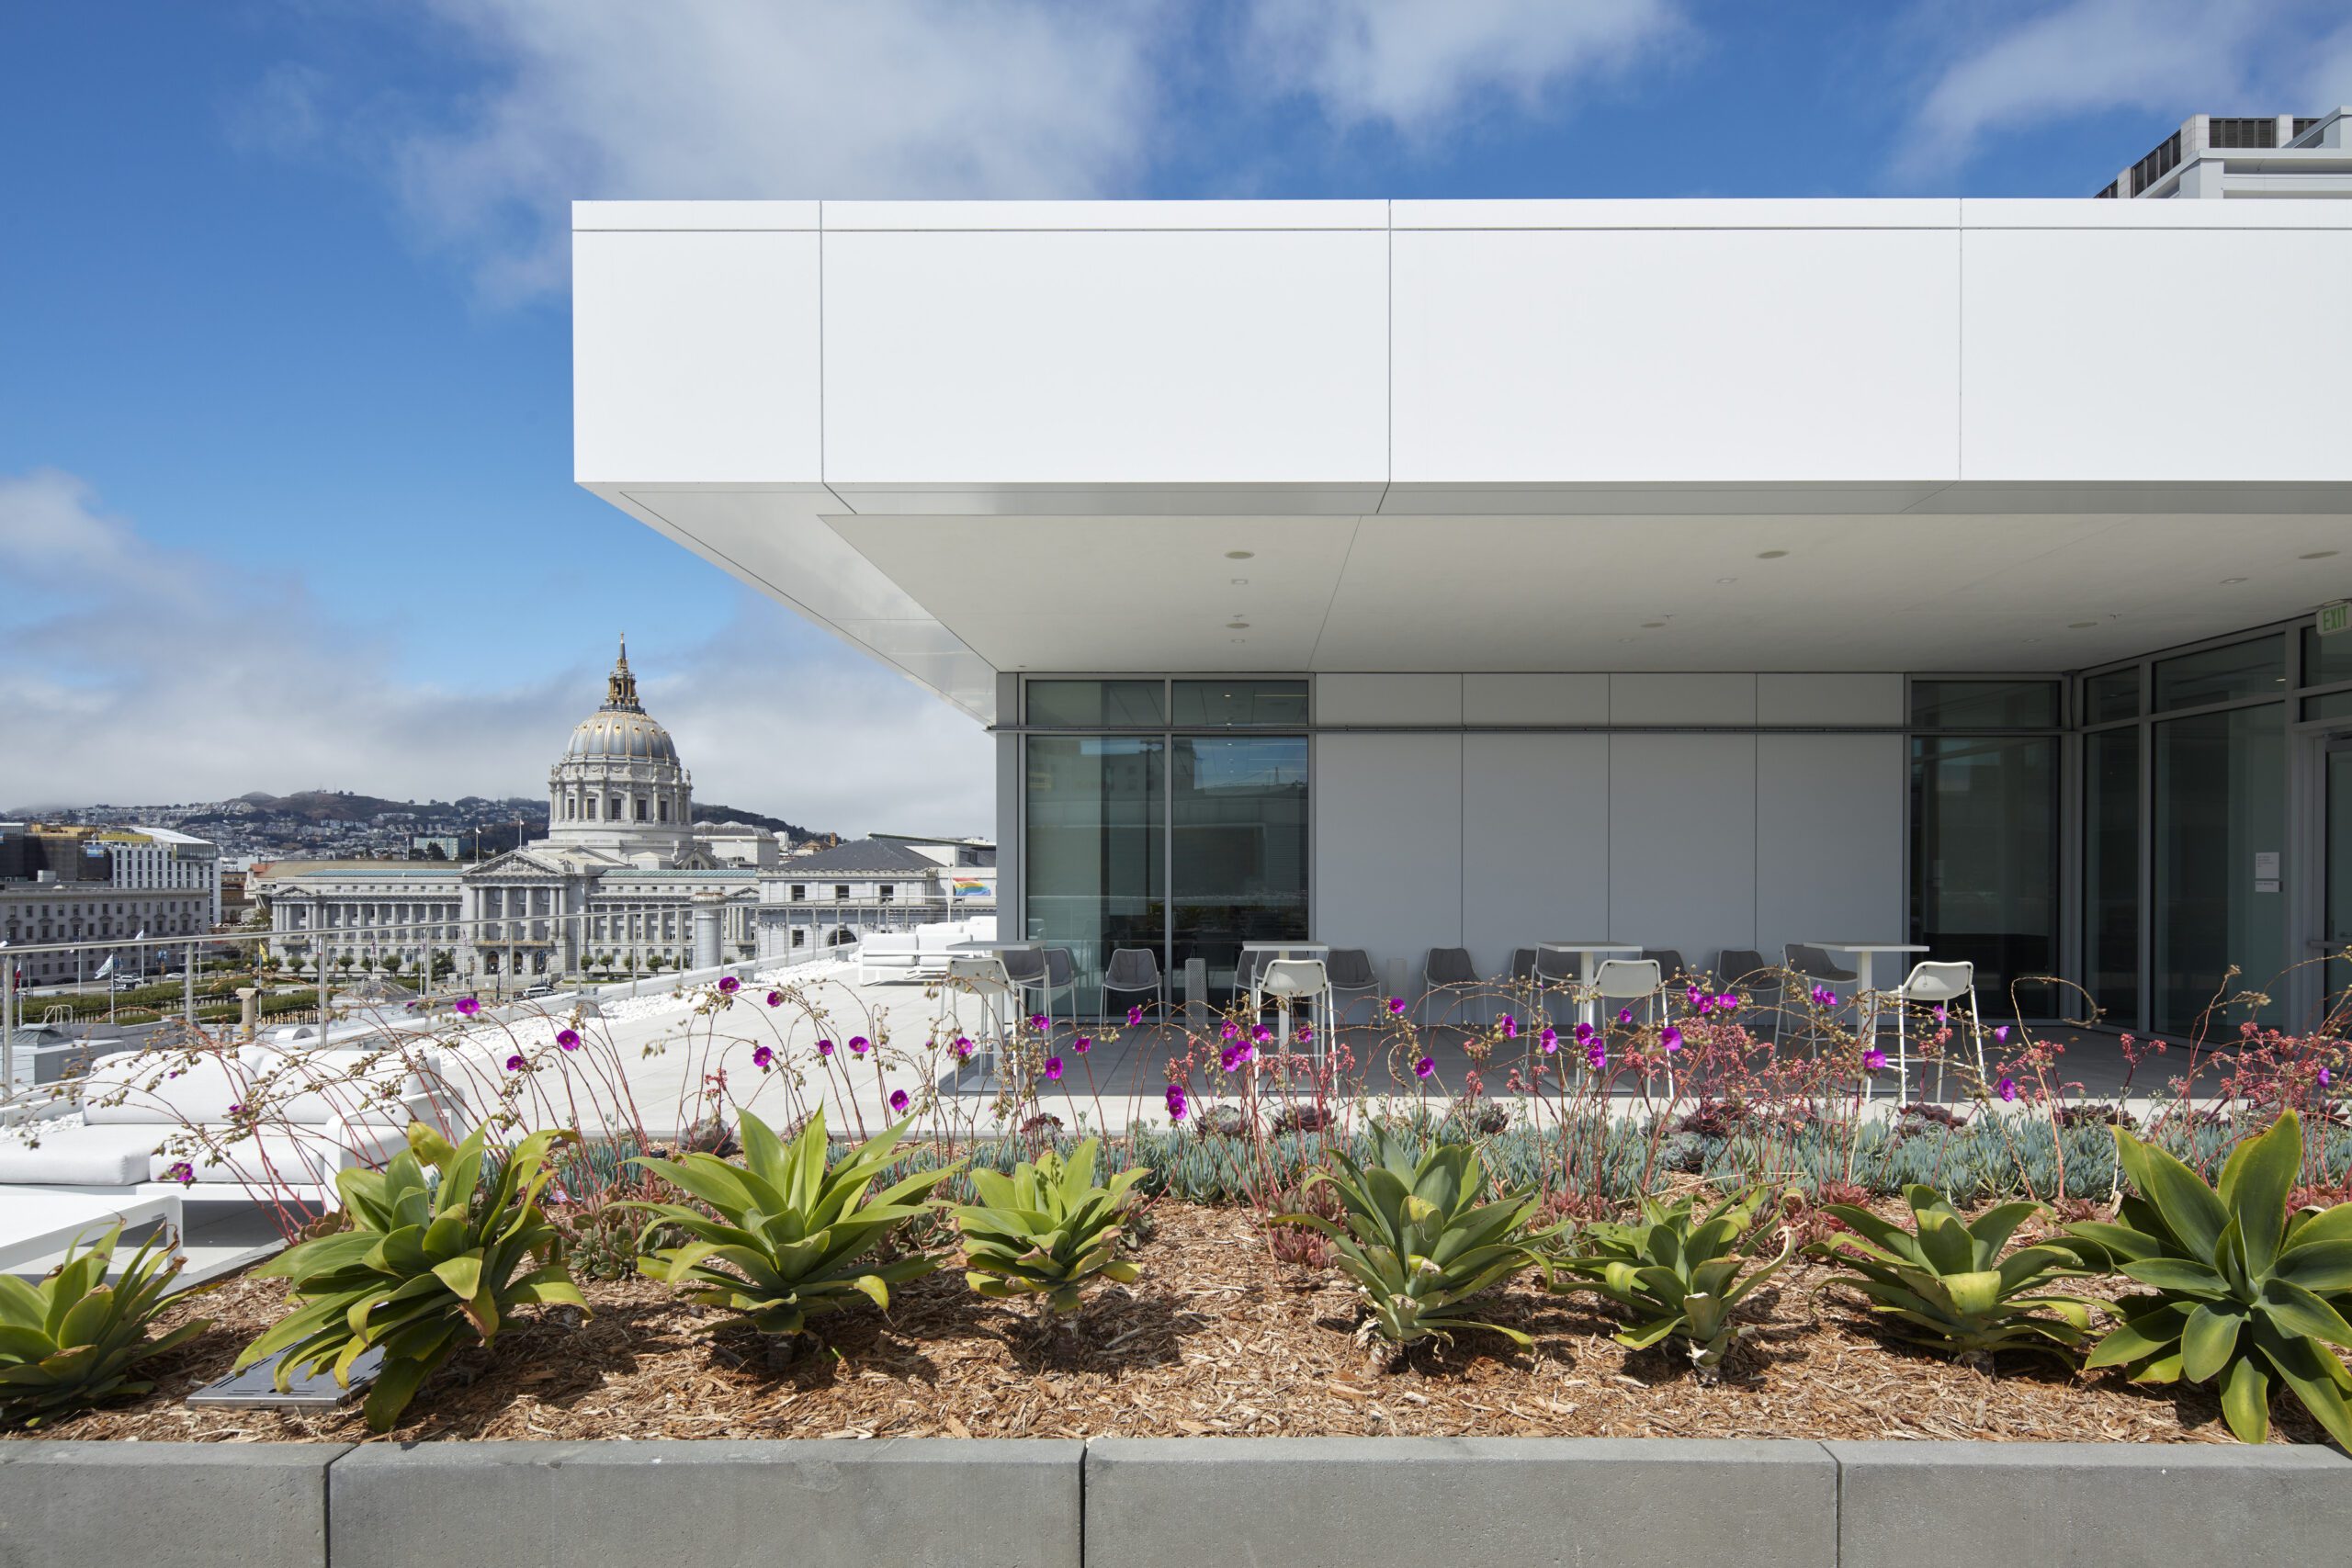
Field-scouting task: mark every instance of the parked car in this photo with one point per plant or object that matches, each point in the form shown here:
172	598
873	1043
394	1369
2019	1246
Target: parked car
540	989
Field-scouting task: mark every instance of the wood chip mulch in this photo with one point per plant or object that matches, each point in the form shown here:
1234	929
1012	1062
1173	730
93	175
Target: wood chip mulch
1216	1338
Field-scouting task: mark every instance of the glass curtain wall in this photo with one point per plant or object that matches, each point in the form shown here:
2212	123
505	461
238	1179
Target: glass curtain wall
1186	841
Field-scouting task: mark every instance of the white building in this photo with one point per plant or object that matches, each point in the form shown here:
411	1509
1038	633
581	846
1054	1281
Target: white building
889	882
1711	575
2259	155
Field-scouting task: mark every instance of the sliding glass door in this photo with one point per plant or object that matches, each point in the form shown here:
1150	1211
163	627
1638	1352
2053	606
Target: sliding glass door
1096	868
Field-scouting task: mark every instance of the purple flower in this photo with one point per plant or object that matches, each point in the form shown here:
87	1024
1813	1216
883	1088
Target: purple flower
775	998
1551	1040
1823	997
568	1039
236	1110
1424	1067
1670	1037
1260	1034
514	1063
181	1172
2007	1089
1231	1031
962	1047
2324	1079
1037	1021
1135	1017
1941	1015
1874	1061
1584	1034
1595	1054
467	1006
1704	1005
1726	1002
1694	997
859	1045
763	1058
729	985
898	1101
824	1047
1175	1102
1306	1033
1624	1015
1396	1006
1052	1069
1082	1044
1510	1027
2001	1035
1229	1058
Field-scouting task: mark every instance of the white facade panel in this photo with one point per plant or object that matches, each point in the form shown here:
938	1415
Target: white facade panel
2156	355
1535	699
1388	699
1829	699
1080	358
1643	698
1829	850
1534	841
1388	874
1680	354
1682	842
695	357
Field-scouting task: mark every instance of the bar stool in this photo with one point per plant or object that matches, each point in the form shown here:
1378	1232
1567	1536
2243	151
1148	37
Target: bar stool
1289	980
1632	979
986	979
1446	967
1134	969
1350	969
1932	984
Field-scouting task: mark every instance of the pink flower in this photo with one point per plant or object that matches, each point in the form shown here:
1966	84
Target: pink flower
1595	1054
1232	1030
1082	1044
1726	1002
1551	1040
1135	1017
1670	1037
1873	1061
1052	1069
1941	1015
962	1047
467	1006
1584	1034
514	1063
859	1045
1306	1033
1175	1102
2001	1035
763	1058
1396	1006
568	1039
2007	1089
236	1110
181	1172
729	985
1424	1067
775	998
1624	1015
1823	997
898	1101
1261	1034
1510	1027
1037	1021
824	1047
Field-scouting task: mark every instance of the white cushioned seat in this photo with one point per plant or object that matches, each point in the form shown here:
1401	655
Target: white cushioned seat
118	1155
299	1157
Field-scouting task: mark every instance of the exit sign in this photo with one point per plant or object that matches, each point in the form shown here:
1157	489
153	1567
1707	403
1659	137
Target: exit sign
2334	618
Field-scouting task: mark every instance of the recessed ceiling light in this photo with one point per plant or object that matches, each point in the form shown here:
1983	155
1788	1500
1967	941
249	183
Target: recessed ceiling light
1652	625
2232	582
2318	555
1770	555
1727	580
1241	582
1237	626
2080	626
1239	555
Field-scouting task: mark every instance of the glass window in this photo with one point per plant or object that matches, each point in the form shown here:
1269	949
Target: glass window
2335	704
2111	873
2113	695
1096	840
2256	669
1985	704
1089	703
1985	861
2220	843
2326	660
1235	704
1239	848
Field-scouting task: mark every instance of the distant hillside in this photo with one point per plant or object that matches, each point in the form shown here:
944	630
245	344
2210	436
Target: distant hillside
342	806
706	812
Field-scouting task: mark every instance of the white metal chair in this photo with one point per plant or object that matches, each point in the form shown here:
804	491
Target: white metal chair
986	979
1625	980
1290	980
1932	984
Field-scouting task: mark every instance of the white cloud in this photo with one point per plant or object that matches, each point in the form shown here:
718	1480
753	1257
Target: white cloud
1417	66
2173	57
153	677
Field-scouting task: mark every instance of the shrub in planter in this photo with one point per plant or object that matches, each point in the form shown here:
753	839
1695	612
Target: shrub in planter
72	1341
792	1239
2246	1291
1944	1284
1416	1240
424	1268
1681	1271
1045	1229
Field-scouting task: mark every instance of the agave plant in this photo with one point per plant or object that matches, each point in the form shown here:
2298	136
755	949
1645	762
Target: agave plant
1681	1271
792	1235
1416	1239
72	1341
1045	1230
2244	1290
421	1273
1945	1285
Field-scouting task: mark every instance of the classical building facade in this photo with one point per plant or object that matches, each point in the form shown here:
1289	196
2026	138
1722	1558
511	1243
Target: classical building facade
617	885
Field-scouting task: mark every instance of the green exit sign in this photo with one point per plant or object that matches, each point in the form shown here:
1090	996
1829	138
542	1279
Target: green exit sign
2334	618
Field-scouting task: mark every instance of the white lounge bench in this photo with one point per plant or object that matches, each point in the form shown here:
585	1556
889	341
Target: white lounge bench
919	955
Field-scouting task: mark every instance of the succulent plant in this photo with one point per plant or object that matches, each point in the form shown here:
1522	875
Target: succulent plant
1681	1272
1945	1284
72	1341
792	1236
1417	1238
423	1270
1047	1229
2247	1291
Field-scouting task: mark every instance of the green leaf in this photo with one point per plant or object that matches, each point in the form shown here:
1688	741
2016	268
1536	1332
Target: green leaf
2208	1341
2245	1401
2192	1210
2256	1181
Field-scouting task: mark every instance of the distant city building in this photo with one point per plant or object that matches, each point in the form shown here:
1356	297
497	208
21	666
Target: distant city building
2261	155
616	884
90	884
886	882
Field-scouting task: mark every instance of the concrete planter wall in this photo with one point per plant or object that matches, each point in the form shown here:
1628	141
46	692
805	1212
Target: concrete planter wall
1197	1502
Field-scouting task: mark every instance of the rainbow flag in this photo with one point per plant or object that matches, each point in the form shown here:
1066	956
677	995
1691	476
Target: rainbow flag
971	887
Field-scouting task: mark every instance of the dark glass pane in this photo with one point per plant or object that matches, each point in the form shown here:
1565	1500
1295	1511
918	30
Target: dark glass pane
2337	901
1985	704
2111	873
1096	878
1983	862
2220	843
2256	669
2335	704
2326	660
1240	849
1201	705
1078	703
2113	695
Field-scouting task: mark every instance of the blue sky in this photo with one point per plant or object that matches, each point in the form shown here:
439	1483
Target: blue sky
285	434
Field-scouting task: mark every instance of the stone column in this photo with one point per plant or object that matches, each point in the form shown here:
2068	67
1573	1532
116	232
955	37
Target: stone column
707	952
249	1012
